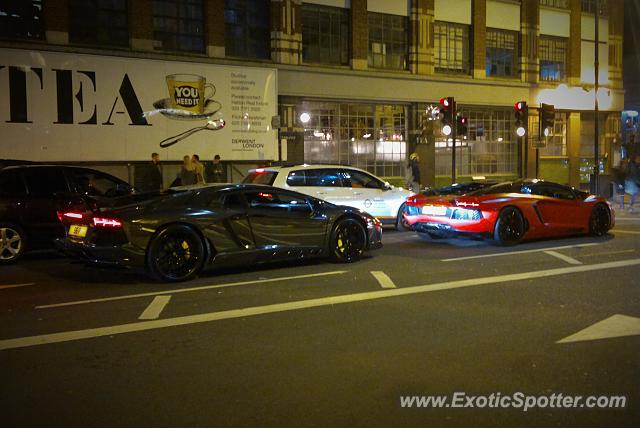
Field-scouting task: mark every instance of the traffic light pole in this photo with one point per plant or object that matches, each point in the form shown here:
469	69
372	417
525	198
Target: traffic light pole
454	131
596	148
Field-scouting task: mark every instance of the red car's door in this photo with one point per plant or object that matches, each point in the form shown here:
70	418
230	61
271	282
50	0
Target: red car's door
559	208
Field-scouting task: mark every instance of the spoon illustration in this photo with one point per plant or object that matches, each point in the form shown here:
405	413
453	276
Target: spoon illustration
212	125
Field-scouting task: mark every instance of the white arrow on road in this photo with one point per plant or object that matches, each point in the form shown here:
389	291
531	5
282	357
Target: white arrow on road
614	326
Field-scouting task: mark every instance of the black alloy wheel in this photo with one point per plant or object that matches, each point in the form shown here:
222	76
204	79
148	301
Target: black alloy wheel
401	222
509	228
348	240
13	242
600	220
176	254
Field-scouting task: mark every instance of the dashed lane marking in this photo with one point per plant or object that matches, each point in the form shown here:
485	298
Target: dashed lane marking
155	308
185	290
511	253
513	279
4	287
567	259
383	279
632	232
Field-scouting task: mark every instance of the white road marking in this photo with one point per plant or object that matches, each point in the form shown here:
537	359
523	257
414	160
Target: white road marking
514	279
185	290
632	232
614	326
567	259
383	279
607	253
3	287
155	308
510	253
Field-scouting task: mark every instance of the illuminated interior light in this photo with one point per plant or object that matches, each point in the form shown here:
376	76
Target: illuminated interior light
305	117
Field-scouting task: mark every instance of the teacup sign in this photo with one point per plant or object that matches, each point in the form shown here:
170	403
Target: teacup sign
187	92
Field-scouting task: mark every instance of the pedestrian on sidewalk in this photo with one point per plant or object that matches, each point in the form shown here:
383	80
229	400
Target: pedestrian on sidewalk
195	159
412	173
187	172
215	171
619	173
632	181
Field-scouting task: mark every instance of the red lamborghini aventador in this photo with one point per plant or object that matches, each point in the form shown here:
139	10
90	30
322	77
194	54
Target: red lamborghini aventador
511	212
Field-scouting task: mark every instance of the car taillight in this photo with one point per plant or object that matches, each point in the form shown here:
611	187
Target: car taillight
70	216
106	222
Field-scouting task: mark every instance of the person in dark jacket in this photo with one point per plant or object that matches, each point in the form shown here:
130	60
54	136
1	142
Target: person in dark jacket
619	175
632	181
413	173
155	172
215	171
149	176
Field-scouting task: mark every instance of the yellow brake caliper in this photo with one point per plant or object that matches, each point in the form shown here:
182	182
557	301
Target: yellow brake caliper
187	253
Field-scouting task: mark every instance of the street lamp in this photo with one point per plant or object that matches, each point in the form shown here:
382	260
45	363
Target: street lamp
305	117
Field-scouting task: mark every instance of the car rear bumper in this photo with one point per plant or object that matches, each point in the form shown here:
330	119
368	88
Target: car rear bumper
447	231
125	255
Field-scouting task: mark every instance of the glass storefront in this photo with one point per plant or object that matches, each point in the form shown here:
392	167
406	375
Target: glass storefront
368	136
488	148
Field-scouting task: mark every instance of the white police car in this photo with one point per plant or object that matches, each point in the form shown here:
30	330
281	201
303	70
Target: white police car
341	185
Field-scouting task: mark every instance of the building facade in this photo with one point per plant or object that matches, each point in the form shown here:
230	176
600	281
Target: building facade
367	71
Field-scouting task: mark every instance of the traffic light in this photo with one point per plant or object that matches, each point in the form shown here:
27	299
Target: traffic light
462	123
547	116
448	109
522	118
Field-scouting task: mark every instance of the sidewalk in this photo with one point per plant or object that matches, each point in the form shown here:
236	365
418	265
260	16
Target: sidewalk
624	213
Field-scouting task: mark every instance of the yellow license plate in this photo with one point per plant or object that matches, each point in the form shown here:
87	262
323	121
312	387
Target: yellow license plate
77	230
434	210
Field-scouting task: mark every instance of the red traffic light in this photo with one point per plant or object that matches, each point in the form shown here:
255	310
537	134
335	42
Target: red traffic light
520	105
444	102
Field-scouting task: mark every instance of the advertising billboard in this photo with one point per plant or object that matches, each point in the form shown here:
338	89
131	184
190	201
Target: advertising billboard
76	107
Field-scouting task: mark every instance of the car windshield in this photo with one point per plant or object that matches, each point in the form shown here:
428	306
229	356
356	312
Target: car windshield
260	177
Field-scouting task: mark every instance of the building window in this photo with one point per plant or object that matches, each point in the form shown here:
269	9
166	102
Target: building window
179	25
98	22
367	136
451	47
387	41
488	148
21	19
553	58
560	4
325	34
556	143
247	28
589	6
502	53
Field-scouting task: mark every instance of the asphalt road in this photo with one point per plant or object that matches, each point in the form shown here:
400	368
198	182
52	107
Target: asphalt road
324	344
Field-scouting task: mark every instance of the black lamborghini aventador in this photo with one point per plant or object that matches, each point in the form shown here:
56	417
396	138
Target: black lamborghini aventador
176	235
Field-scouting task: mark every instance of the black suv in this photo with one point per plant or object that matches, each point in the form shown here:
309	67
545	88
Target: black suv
32	195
